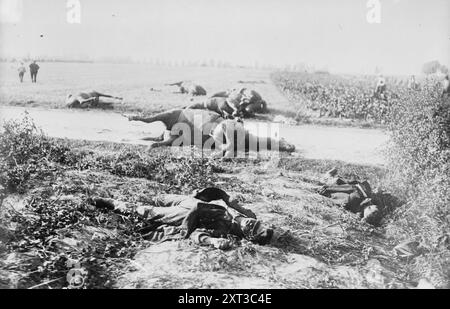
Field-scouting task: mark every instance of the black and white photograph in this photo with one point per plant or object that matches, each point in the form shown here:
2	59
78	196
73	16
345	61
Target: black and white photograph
244	146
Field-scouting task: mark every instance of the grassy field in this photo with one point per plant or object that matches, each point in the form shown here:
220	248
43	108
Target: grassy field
133	82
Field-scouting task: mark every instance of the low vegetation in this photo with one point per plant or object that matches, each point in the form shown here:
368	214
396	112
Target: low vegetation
420	174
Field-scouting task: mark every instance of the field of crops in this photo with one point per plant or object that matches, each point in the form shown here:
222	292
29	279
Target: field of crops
341	96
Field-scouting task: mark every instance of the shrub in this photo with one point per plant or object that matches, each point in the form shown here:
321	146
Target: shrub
24	151
420	173
432	67
420	135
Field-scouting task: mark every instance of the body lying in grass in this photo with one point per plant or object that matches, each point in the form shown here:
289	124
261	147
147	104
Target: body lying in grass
353	195
189	127
172	217
87	99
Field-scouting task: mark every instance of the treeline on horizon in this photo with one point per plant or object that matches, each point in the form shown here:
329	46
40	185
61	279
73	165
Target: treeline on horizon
163	62
428	68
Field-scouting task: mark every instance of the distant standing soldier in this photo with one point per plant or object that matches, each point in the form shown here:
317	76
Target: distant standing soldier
381	87
412	84
22	71
445	87
34	68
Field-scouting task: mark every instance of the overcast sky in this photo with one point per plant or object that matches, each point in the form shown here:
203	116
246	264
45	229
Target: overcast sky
326	33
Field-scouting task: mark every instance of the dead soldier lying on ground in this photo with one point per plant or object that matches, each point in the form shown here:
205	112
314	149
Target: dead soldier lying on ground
352	195
174	217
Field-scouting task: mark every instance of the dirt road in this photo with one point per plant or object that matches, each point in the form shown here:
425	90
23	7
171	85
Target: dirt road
352	145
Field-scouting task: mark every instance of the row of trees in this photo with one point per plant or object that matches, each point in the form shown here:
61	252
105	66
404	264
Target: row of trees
161	62
433	67
430	67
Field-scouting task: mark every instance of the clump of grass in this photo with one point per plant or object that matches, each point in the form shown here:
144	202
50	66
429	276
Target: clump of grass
373	174
180	174
25	151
